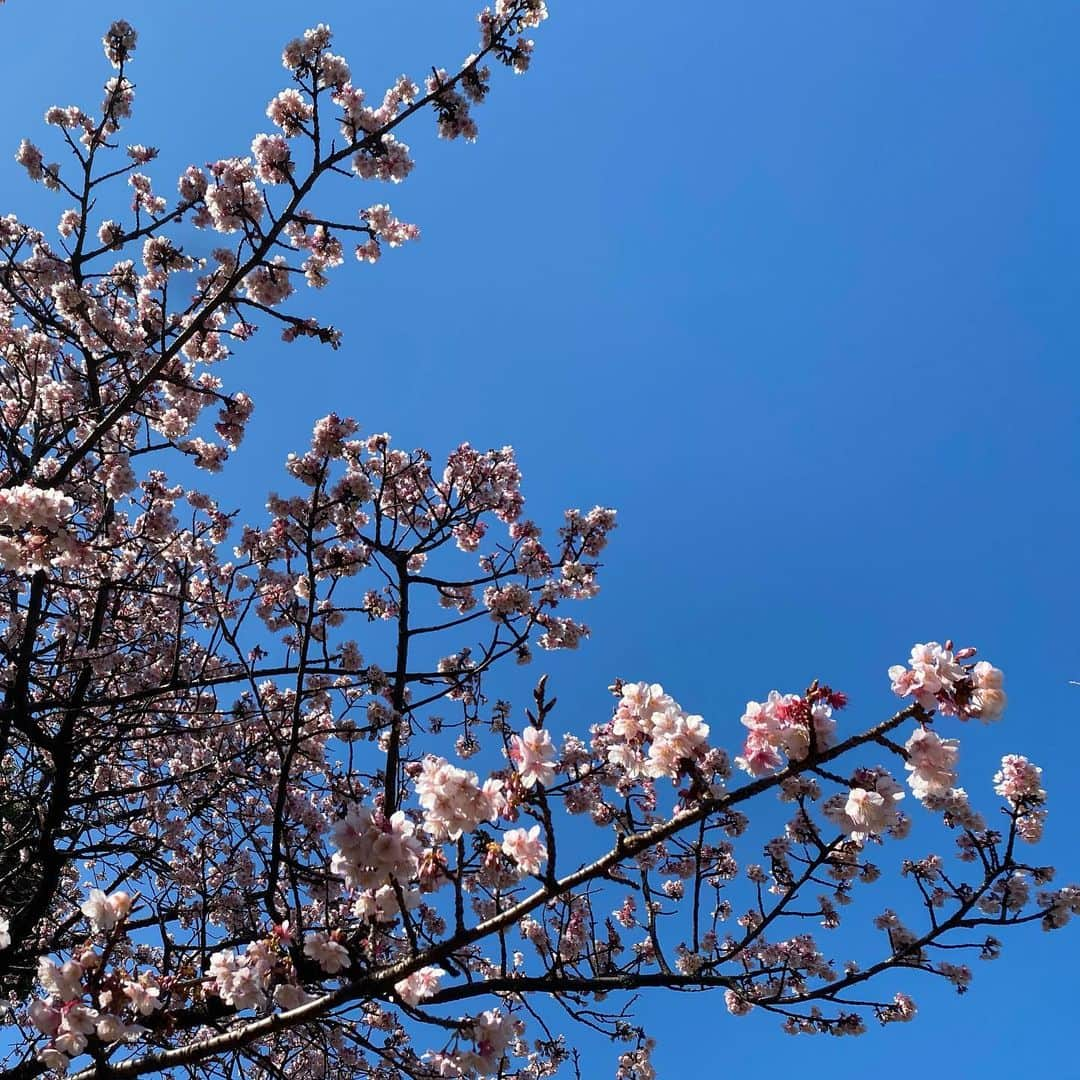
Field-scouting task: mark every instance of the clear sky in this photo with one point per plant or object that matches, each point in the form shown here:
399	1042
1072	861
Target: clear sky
791	285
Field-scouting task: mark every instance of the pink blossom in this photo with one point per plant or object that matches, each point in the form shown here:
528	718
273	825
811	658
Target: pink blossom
936	679
329	954
1059	907
29	157
391	161
870	811
290	996
561	633
110	234
144	994
1019	781
381	905
269	284
105	911
233	199
1029	826
119	42
53	1059
142	154
957	809
507	600
144	197
302	52
192	184
239	981
45	1016
387	228
781	725
650	735
933	671
62	980
931	762
453	799
492	1032
76	1022
525	848
290	111
736	1004
988	700
273	159
533	753
420	985
24	506
333	70
372	848
902	1010
111	1029
70	220
675	739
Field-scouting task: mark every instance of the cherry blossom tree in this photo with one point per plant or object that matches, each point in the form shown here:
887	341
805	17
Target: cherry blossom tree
239	830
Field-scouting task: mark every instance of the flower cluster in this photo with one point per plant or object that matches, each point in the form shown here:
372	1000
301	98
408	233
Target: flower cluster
453	799
383	228
870	808
233	200
491	1033
104	912
652	736
327	951
525	849
931	761
63	1015
420	985
242	980
372	848
937	679
788	726
1020	783
36	529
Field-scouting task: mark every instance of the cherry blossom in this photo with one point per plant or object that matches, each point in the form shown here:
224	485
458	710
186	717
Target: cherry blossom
453	799
786	725
1019	781
420	985
144	995
330	955
105	911
239	980
931	760
937	679
64	980
372	848
988	699
525	848
532	753
250	738
870	810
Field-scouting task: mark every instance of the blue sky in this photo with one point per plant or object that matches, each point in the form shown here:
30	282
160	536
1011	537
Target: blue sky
792	286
